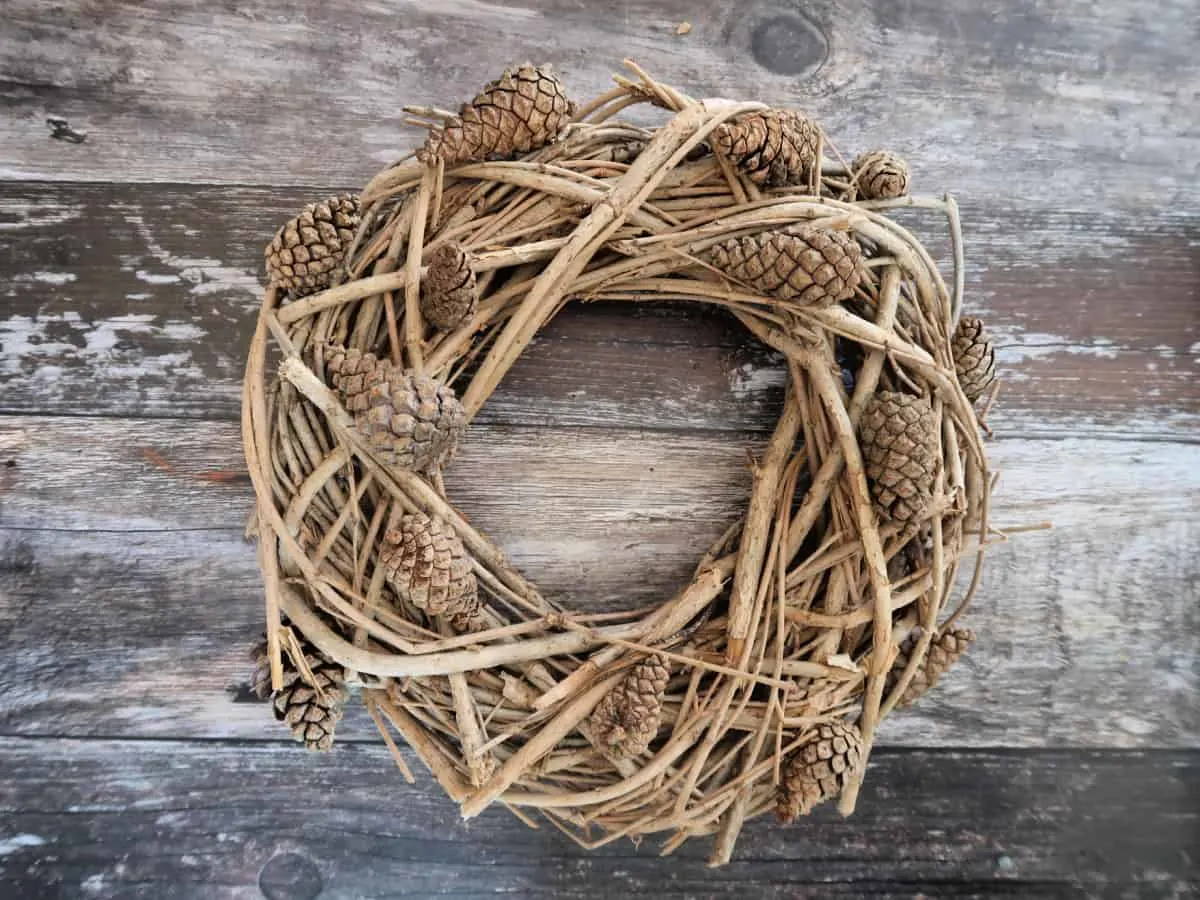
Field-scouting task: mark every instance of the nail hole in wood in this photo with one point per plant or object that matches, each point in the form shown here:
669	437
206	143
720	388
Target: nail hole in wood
290	876
789	44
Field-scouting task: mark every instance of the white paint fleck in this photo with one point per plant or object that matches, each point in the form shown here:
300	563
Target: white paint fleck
34	215
18	841
151	278
206	276
57	278
93	884
750	381
1135	726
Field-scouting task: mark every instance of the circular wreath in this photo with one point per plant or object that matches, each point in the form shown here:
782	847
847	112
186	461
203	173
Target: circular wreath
761	683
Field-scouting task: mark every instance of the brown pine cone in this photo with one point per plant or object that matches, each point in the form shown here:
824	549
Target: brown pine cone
772	147
427	565
809	265
974	357
448	295
880	175
626	720
818	769
307	251
412	421
311	709
520	111
899	438
944	651
260	678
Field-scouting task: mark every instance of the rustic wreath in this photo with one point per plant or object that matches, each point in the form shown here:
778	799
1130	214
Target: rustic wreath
762	682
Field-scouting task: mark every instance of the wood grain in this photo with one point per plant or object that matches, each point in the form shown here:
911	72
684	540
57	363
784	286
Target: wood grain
998	101
128	597
139	300
188	820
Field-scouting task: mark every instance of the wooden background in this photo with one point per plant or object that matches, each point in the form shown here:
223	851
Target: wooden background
1060	760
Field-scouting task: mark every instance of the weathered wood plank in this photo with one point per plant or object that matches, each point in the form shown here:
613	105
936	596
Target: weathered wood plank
270	93
123	615
140	300
191	820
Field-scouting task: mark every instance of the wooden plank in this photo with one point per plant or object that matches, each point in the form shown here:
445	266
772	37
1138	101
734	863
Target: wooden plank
129	616
140	299
192	820
267	93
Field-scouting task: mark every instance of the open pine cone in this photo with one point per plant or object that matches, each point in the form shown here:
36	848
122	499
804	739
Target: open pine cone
627	718
773	147
311	703
410	420
308	250
818	769
944	651
522	110
810	266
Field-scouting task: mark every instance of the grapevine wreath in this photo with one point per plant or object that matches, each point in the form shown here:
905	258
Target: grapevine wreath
395	313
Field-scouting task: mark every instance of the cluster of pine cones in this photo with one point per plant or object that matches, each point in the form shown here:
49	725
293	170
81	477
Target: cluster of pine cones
414	422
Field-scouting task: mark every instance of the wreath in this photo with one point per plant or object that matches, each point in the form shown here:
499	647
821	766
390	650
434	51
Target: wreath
395	314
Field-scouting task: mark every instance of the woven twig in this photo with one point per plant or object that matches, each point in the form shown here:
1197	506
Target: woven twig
792	621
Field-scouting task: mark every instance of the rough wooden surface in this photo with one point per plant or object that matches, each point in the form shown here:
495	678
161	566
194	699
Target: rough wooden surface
156	819
601	518
132	763
997	101
138	300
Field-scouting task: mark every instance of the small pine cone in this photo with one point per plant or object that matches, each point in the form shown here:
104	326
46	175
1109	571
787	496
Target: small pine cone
974	357
626	720
818	769
427	565
880	175
810	265
448	295
520	111
412	421
944	652
311	709
307	251
260	678
774	147
899	439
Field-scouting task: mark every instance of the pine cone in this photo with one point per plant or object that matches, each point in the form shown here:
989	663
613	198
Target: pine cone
974	357
809	265
944	652
307	251
818	769
311	710
427	565
448	296
899	439
626	720
773	147
880	175
518	112
410	420
260	678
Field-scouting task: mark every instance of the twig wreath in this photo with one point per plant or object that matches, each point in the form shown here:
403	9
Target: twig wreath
761	684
